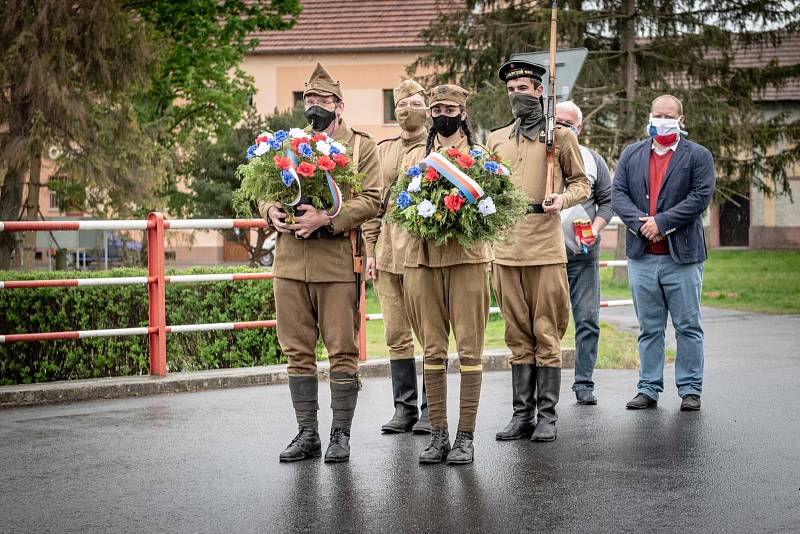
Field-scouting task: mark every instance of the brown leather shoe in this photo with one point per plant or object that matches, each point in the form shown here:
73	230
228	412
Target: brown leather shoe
641	402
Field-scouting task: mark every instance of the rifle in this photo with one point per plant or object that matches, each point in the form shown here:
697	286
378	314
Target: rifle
551	109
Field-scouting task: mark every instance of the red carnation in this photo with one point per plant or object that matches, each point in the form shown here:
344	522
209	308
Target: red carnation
306	169
297	142
319	137
262	139
282	162
454	201
453	152
325	163
341	160
465	161
431	175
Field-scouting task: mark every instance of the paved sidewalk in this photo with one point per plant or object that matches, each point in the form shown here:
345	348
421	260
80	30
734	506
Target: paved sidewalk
207	462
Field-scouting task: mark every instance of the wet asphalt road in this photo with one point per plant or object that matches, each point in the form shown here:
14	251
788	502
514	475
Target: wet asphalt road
207	462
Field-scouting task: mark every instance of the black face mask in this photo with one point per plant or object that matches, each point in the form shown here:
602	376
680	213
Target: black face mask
319	118
447	126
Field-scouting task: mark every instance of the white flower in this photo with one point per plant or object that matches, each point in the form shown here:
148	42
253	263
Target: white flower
294	133
266	134
415	185
338	146
262	149
426	208
323	148
486	206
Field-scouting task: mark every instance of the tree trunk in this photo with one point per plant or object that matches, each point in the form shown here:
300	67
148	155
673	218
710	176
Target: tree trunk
627	119
10	206
32	208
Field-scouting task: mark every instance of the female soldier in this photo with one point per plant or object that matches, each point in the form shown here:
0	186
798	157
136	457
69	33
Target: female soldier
448	286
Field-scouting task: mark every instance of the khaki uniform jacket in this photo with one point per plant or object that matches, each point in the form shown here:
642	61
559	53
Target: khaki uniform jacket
427	253
386	241
331	260
538	239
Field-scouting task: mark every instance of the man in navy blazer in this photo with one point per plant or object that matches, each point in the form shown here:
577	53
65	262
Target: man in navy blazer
661	187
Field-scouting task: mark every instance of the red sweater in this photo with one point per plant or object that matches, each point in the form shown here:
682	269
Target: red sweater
658	169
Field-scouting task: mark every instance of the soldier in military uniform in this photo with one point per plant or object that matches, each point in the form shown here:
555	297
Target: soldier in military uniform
448	287
386	247
314	283
529	276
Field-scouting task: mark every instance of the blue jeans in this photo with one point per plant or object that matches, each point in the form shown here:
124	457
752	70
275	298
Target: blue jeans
584	296
660	286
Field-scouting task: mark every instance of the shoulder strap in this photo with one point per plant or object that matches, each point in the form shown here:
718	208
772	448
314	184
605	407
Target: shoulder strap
357	151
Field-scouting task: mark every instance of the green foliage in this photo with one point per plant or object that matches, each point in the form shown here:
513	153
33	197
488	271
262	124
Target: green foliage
637	51
261	177
89	308
466	224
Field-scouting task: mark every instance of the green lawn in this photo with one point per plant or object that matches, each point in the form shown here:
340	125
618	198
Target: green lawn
756	280
617	348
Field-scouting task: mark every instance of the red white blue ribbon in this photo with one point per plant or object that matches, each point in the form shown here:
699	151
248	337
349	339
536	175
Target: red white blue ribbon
468	187
333	187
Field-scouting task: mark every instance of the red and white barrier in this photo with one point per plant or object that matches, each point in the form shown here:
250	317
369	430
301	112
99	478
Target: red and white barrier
140	331
176	224
133	280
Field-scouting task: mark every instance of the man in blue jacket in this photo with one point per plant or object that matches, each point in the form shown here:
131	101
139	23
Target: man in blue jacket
661	187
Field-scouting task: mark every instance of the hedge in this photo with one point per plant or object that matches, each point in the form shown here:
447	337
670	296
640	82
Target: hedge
89	308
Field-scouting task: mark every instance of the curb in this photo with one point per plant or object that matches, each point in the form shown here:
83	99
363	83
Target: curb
137	386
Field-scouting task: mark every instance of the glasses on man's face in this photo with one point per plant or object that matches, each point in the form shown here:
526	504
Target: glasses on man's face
327	104
412	105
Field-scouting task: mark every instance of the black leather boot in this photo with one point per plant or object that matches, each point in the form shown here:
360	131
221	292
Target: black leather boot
523	387
338	447
344	396
423	426
437	449
548	386
306	444
404	388
462	451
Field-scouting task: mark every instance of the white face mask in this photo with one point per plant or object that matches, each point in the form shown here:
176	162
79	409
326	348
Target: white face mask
663	126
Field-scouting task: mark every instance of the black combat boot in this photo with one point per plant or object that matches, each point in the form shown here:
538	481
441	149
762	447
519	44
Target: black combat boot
423	426
548	386
523	387
437	449
344	395
462	451
306	443
404	388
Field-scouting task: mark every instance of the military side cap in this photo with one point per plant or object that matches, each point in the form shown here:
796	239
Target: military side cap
405	89
449	94
320	83
521	69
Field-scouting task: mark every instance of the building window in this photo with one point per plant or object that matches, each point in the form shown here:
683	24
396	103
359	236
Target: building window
388	106
297	97
53	204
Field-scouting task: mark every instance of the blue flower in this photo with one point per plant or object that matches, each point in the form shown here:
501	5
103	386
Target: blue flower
334	151
280	136
305	150
492	166
404	200
476	152
251	152
414	171
275	144
287	178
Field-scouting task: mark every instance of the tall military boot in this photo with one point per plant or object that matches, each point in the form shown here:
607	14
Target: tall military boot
548	386
404	388
423	426
523	388
344	395
306	443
